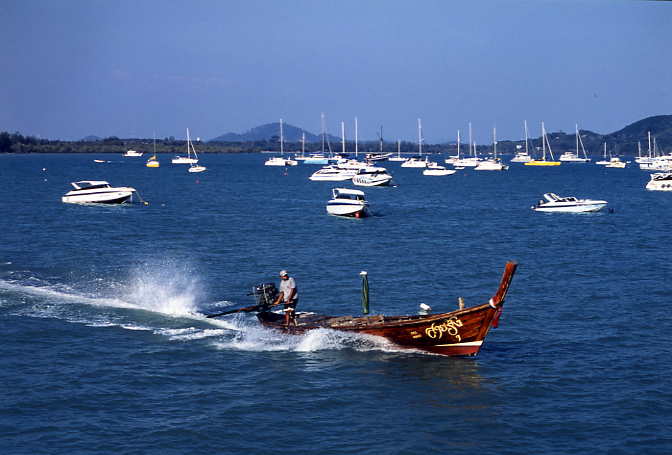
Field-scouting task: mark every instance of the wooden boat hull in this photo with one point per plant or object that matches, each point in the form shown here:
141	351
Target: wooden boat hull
456	333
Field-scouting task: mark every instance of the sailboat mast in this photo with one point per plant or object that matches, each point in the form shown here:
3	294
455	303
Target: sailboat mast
398	148
343	138
649	134
576	129
356	137
420	136
526	147
303	143
543	142
322	127
458	144
282	139
494	140
471	148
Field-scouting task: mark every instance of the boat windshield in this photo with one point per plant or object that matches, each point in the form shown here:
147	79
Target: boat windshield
90	185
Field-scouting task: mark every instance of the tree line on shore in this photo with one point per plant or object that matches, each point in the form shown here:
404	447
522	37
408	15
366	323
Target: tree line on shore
560	142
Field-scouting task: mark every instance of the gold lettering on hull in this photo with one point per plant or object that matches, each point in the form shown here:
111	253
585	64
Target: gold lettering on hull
450	326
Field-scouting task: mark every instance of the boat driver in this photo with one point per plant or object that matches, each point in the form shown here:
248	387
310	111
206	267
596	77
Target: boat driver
289	295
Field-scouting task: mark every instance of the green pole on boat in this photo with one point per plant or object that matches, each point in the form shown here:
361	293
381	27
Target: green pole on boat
365	291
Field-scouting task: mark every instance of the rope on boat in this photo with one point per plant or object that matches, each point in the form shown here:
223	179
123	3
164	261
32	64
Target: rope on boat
141	199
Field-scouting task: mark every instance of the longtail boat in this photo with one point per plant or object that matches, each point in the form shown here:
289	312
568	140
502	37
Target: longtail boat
456	333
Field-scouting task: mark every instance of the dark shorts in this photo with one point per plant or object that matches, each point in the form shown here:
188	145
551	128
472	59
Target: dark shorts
291	304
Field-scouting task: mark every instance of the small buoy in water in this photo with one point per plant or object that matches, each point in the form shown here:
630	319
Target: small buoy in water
198	181
44	169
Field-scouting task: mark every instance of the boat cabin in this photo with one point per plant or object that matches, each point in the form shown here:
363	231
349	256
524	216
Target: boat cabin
90	184
346	193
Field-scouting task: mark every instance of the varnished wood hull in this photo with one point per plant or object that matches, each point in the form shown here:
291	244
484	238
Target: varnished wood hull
456	333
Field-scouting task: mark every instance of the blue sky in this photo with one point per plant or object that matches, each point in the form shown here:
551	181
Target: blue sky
131	68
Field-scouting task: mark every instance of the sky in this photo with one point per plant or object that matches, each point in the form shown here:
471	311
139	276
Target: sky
135	68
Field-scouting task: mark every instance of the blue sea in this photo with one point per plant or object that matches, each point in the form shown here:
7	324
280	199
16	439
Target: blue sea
106	349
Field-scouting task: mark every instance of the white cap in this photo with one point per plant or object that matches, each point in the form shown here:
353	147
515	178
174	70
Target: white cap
283	272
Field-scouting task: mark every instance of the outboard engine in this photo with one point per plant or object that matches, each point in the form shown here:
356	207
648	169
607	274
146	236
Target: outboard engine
264	295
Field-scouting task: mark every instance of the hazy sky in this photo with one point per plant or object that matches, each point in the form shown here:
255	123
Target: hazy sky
72	68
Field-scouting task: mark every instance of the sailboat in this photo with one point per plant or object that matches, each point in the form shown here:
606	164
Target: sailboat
417	161
573	157
398	157
153	161
193	167
185	159
494	164
281	160
544	143
467	161
522	157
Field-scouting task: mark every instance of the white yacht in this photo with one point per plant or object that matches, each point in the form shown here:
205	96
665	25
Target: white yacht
660	181
494	163
415	161
372	176
555	203
347	202
183	160
193	166
97	192
132	153
435	169
574	157
522	156
398	157
280	161
332	173
615	162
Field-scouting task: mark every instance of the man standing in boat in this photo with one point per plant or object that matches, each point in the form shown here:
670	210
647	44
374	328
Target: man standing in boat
289	295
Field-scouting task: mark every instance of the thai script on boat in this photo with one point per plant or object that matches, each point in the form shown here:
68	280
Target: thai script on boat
450	326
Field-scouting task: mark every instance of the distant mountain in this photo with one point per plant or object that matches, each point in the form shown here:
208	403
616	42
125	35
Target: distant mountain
271	132
90	139
660	127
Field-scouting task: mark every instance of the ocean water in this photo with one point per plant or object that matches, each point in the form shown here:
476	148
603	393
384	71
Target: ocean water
106	349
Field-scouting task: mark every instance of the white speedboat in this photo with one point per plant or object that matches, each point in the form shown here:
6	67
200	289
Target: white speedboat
347	202
434	169
332	173
97	192
660	181
555	203
132	153
372	176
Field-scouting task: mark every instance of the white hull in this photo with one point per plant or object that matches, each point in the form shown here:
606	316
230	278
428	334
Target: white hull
363	180
343	209
572	208
660	182
466	162
490	166
555	203
412	162
438	172
279	161
197	168
132	153
183	160
396	158
100	192
521	158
